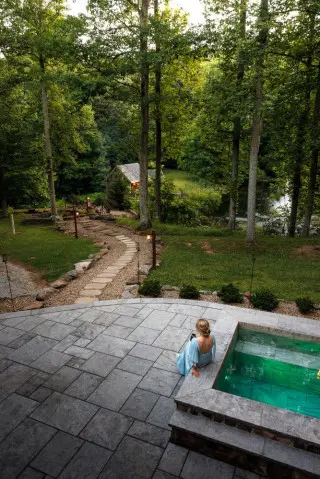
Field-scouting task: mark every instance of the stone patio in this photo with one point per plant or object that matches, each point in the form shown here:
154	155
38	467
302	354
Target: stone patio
87	390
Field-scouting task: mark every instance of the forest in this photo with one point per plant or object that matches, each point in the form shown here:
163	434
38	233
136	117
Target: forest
234	101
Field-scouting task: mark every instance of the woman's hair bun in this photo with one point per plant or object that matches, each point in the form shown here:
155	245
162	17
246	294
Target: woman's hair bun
204	327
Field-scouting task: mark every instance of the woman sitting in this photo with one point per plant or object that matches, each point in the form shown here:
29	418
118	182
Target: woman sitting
200	350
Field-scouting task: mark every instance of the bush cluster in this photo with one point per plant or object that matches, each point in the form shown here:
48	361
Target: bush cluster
188	291
305	305
151	288
230	294
264	299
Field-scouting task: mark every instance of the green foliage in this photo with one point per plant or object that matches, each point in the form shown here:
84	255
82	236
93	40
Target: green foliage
305	305
151	288
118	193
230	294
102	200
188	291
264	299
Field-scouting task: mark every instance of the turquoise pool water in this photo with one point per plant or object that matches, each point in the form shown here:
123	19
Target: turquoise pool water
276	370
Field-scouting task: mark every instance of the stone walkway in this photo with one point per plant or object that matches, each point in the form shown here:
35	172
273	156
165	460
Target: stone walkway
93	290
87	391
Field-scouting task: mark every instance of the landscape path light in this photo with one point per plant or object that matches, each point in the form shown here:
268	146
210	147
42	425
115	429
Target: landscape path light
152	237
75	214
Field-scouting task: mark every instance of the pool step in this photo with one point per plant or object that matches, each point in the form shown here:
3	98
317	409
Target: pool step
258	454
298	358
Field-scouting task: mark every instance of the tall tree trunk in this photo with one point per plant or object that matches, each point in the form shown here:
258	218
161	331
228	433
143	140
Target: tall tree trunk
301	136
236	134
3	204
257	123
145	220
299	155
314	161
47	141
158	120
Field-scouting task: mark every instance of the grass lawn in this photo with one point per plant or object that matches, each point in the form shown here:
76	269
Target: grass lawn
48	251
184	181
278	266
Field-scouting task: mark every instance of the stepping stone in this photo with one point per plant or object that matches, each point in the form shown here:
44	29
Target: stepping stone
93	292
93	286
107	275
84	299
101	280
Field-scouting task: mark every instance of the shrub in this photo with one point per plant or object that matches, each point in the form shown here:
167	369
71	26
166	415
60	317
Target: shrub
118	193
265	300
150	287
189	292
305	305
230	294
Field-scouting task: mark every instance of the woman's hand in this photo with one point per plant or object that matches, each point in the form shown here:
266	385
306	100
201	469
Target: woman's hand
195	372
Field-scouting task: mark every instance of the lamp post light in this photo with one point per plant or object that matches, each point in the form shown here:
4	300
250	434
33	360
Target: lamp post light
87	203
152	237
75	214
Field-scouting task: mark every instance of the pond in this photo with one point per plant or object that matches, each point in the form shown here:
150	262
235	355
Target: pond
264	204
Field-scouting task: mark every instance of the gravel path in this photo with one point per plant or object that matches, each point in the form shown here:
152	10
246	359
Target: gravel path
22	281
107	233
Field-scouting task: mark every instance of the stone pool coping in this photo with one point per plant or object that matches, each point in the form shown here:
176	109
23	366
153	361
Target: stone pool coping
198	394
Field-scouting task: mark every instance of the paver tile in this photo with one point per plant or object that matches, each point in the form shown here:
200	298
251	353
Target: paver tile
82	342
12	411
189	310
29	323
14	376
128	321
53	330
64	412
140	404
57	453
4	364
19	342
65	317
8	334
12	322
31	473
90	315
167	360
178	320
115	389
158	320
110	345
144	335
51	361
133	459
146	352
32	350
135	365
41	394
65	343
173	459
118	331
79	352
200	466
153	434
172	338
84	385
162	412
160	381
106	319
87	463
101	364
62	378
107	429
163	475
126	310
22	445
89	330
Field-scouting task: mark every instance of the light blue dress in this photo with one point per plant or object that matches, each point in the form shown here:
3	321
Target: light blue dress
192	355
